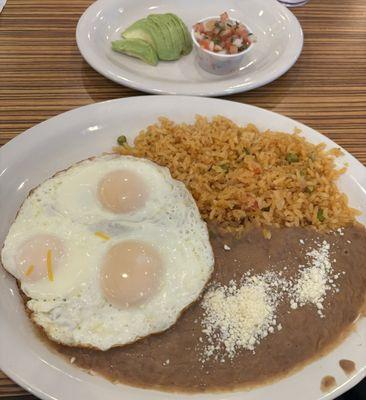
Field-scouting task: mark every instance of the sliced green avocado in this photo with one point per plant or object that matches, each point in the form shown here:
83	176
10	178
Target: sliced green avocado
187	37
165	46
174	42
139	30
136	48
148	30
176	32
166	33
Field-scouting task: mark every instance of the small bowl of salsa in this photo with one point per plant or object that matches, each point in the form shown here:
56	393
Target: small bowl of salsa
221	43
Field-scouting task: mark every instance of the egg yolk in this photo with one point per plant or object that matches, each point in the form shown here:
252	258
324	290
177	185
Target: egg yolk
122	191
131	273
38	257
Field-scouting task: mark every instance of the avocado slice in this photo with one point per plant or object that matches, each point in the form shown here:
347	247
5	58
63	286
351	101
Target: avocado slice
187	36
172	36
166	33
139	30
176	32
149	30
164	41
136	48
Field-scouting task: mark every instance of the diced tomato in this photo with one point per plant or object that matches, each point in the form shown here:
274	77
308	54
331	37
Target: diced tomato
243	33
227	43
227	48
223	34
205	44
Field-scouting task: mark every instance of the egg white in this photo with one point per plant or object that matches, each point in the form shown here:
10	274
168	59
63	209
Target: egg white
72	310
75	265
87	319
73	192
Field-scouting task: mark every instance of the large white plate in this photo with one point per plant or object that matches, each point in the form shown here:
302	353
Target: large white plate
279	44
55	144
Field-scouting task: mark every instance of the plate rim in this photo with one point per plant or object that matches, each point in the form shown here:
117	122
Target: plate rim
92	59
27	135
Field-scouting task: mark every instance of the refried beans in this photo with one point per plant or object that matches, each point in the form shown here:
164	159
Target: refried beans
171	360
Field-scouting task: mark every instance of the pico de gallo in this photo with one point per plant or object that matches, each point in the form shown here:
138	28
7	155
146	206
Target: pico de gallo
223	35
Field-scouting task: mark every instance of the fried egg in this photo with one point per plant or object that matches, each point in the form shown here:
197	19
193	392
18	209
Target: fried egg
109	188
109	251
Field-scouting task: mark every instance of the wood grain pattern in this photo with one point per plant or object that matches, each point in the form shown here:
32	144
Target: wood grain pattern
42	74
9	388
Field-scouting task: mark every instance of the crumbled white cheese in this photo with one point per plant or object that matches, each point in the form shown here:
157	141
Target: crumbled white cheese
314	279
226	247
293	305
239	316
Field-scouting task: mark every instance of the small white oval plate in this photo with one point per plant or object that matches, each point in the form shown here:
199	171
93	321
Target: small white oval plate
54	145
278	32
